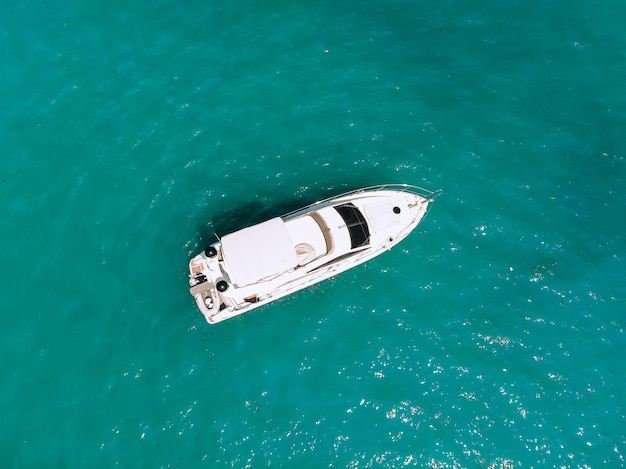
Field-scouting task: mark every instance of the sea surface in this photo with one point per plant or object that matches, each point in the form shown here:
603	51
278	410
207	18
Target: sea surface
133	132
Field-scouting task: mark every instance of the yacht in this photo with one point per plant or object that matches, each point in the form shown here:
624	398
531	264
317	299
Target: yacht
259	264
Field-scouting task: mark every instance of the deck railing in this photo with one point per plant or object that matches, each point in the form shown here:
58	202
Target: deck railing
425	193
398	187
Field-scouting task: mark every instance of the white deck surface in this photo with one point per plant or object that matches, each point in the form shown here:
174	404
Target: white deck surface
305	231
257	252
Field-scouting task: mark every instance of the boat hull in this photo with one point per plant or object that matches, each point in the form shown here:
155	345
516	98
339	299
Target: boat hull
263	263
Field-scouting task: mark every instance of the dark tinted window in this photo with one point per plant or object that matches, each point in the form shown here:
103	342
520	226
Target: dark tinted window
357	226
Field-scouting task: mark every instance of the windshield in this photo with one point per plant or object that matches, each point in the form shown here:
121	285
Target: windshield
356	224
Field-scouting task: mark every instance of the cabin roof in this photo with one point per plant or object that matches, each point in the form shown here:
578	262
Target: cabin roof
257	252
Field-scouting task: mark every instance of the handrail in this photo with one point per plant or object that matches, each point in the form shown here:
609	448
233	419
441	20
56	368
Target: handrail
397	187
431	195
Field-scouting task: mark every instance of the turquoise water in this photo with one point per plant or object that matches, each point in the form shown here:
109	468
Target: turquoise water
492	337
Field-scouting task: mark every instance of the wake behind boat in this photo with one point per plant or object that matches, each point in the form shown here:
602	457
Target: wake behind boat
264	262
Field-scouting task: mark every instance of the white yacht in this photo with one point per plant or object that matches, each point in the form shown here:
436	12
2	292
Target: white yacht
264	262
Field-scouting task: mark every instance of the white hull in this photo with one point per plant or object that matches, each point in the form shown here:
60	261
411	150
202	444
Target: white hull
265	262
